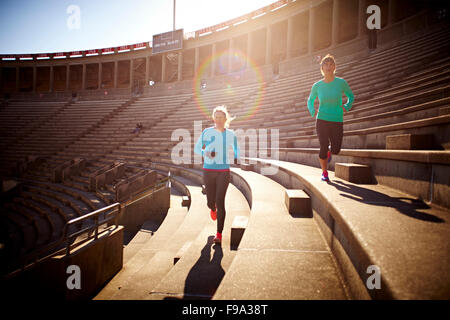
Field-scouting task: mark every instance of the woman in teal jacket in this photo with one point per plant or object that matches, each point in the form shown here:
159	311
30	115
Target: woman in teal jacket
214	144
330	116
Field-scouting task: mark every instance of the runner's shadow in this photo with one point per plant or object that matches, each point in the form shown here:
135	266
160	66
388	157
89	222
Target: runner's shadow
205	275
404	205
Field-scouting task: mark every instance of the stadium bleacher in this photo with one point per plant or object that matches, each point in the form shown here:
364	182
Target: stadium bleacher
69	158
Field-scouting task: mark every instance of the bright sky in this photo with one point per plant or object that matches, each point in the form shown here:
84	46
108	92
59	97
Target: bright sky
45	26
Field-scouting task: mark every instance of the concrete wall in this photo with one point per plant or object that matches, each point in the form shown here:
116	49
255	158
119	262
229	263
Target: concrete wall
154	207
98	262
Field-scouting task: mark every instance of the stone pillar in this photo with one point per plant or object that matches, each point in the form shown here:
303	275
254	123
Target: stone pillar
131	72
163	63
99	75
196	59
269	45
213	62
147	70
362	18
34	78
249	48
52	79
180	65
230	56
392	6
67	77
311	24
83	77
290	31
335	24
116	71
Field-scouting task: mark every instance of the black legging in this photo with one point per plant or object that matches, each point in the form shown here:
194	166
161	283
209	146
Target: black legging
329	132
216	184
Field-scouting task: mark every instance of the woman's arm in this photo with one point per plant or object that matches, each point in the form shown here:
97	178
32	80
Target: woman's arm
198	148
236	149
312	97
350	97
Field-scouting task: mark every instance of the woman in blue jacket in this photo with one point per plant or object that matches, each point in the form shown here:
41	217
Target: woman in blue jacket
214	144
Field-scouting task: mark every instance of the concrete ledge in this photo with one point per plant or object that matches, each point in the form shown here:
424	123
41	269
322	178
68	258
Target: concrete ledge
370	137
246	166
353	220
97	261
444	111
237	231
352	172
410	142
418	173
298	203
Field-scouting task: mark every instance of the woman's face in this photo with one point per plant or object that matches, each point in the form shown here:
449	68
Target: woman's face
220	119
328	67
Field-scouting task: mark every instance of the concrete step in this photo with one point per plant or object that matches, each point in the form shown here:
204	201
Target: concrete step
353	172
410	142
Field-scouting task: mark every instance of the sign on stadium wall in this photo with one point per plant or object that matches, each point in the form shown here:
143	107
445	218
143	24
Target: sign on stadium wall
168	41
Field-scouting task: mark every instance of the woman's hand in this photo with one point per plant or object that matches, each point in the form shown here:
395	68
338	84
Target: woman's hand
210	155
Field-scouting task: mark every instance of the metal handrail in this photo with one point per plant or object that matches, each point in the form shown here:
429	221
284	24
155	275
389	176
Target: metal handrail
66	238
161	183
32	258
95	214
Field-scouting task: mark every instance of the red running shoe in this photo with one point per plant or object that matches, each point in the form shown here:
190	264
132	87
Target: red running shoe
213	214
218	238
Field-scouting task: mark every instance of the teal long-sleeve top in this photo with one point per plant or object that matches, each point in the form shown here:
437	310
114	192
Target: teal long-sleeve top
219	142
330	99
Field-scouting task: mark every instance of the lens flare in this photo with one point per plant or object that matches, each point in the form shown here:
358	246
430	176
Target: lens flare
241	64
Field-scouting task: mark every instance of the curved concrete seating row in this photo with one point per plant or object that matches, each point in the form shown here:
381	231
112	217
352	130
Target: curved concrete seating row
60	129
375	137
372	225
280	256
420	173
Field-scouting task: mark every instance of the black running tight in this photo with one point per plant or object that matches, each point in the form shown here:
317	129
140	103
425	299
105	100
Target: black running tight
329	132
216	184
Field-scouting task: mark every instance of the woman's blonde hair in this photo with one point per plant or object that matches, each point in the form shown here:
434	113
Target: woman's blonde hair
327	57
223	109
